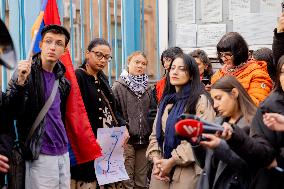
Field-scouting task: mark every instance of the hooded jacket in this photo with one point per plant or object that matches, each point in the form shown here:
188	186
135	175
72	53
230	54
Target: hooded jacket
254	78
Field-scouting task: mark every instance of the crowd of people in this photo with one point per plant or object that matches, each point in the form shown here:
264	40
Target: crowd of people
245	96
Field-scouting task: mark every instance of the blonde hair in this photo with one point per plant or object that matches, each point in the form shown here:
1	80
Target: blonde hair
136	53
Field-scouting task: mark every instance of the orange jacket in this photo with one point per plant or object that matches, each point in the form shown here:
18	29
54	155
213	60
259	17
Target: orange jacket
160	86
254	78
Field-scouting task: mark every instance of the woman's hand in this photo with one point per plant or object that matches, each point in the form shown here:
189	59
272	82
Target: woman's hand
157	170
273	164
125	137
274	121
165	166
280	24
4	167
212	141
228	131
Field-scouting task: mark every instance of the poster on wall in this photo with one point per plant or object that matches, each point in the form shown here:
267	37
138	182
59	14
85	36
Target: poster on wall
237	6
256	28
271	6
210	34
186	35
211	11
185	11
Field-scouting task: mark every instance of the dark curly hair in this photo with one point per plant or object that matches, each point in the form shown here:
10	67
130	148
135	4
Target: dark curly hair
266	54
171	53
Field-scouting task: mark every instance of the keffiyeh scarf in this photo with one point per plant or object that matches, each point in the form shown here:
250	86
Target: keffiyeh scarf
137	84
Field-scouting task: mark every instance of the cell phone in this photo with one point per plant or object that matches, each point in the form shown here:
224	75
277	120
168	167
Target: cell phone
206	81
282	6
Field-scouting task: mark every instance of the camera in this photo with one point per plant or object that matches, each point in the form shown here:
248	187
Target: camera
206	81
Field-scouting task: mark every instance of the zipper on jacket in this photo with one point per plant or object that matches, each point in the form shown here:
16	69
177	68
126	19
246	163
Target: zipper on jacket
140	120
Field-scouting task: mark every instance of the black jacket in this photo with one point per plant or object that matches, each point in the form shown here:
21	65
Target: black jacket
222	167
8	110
33	96
85	171
277	46
264	146
90	97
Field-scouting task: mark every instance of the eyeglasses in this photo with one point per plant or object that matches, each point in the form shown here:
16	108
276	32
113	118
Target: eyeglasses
57	43
224	54
100	56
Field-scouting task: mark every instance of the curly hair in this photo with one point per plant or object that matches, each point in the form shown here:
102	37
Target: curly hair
171	53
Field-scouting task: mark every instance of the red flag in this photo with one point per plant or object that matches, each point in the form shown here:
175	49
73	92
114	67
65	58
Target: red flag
83	145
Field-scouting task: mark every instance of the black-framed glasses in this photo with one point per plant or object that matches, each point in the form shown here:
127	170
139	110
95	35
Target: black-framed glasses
224	54
100	55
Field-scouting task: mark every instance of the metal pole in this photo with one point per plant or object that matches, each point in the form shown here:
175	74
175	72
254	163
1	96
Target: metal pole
4	70
100	18
108	39
91	19
82	29
115	40
61	10
142	27
71	31
158	40
122	35
22	30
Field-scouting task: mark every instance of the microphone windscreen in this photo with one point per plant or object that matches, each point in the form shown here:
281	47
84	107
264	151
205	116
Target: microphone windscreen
195	125
211	129
192	116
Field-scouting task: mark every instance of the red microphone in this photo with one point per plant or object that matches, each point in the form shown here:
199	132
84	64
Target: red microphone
197	126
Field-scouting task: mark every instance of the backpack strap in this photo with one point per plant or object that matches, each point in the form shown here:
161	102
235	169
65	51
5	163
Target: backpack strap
44	109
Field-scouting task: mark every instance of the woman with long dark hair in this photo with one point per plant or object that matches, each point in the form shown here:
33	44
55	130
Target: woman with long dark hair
265	150
222	168
174	163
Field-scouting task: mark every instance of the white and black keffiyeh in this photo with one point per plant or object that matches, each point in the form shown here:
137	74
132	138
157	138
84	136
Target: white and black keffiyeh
137	84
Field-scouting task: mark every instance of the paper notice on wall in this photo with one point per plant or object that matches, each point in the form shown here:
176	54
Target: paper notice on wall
211	11
210	34
256	28
271	6
210	51
186	35
238	6
185	11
